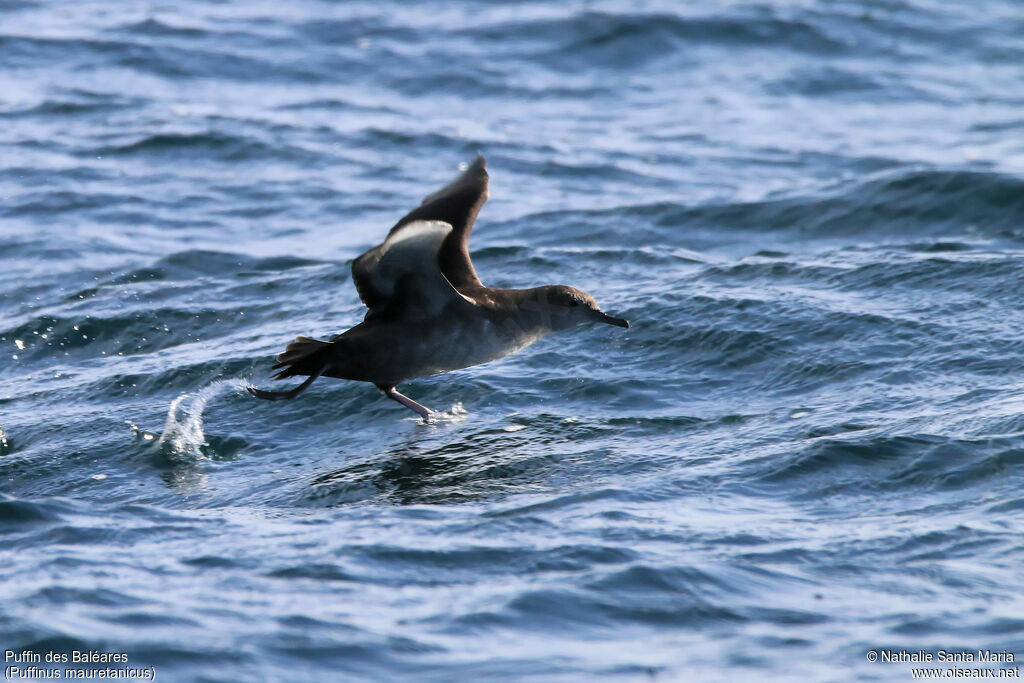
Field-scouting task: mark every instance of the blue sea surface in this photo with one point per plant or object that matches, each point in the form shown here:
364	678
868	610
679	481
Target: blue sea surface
808	446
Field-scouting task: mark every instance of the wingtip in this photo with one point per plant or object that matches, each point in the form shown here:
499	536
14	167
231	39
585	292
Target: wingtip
479	165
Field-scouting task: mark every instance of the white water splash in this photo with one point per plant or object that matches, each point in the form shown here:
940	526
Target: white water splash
182	435
454	414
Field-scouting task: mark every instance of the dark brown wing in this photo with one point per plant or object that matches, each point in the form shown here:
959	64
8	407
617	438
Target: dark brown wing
400	277
457	204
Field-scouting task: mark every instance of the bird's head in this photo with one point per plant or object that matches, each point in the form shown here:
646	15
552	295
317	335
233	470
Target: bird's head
562	308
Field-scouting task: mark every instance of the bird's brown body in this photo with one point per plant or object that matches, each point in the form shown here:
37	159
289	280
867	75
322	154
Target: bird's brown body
428	311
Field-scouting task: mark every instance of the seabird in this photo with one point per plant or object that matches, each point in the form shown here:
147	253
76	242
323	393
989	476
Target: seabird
428	311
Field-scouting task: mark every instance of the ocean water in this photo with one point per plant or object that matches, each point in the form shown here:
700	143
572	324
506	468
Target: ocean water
809	445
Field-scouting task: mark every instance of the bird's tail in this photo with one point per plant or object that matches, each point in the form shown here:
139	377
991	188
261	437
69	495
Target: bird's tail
304	356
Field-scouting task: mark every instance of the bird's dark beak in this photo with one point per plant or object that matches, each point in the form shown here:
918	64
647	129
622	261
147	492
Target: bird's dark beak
621	322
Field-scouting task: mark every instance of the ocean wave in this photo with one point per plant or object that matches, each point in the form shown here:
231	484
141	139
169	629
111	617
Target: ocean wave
594	40
15	513
895	464
196	146
157	28
908	204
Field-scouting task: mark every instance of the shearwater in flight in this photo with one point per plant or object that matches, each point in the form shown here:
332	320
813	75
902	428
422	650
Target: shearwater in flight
428	311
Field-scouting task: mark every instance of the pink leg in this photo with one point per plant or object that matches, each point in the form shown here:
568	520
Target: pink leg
422	410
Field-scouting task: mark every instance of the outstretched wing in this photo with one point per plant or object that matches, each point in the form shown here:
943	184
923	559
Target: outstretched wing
457	204
401	277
